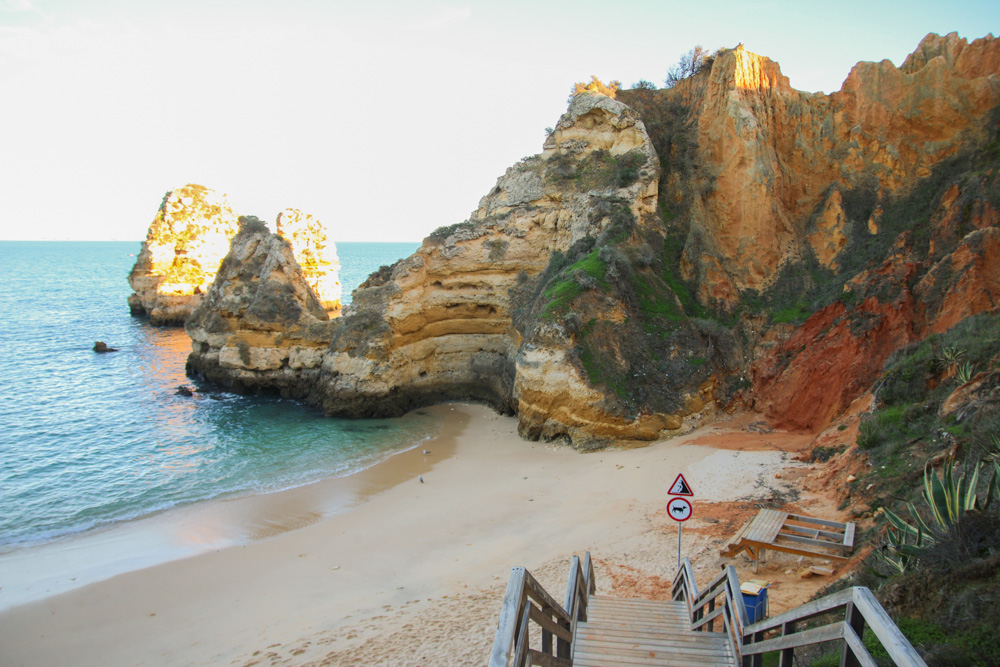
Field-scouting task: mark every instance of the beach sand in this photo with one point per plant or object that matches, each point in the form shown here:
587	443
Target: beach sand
382	569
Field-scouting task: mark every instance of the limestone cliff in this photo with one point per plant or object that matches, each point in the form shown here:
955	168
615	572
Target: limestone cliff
260	325
870	205
773	163
669	252
315	253
476	312
183	249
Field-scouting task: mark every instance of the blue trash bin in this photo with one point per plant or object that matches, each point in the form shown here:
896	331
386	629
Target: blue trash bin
756	605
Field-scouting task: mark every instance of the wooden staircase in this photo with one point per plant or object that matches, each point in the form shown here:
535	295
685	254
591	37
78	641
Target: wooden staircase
592	630
644	632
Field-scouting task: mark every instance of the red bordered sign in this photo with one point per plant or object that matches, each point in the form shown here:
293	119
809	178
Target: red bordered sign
680	487
679	509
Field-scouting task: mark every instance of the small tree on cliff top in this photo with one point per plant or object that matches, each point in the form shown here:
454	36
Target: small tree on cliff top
690	64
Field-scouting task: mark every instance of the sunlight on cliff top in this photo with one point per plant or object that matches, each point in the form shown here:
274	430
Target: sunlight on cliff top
595	86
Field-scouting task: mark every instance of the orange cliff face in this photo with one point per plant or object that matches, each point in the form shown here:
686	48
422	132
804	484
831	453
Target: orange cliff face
585	292
776	161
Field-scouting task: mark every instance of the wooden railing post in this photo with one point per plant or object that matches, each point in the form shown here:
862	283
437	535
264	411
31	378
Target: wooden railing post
564	648
546	634
856	620
788	654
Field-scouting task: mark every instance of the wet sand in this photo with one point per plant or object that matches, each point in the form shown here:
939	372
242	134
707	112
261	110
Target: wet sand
381	568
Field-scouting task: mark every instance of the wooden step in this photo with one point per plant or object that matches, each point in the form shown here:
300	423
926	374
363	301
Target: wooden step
645	632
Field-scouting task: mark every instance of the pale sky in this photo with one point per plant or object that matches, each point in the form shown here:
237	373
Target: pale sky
386	119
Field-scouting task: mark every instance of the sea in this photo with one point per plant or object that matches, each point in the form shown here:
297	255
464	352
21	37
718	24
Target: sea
90	440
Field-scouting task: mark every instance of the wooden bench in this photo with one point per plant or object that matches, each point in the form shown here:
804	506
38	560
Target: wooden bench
794	534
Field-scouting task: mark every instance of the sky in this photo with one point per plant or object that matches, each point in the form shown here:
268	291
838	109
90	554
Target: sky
385	119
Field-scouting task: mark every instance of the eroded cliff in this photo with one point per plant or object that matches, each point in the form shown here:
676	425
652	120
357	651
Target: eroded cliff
480	310
670	252
260	326
870	205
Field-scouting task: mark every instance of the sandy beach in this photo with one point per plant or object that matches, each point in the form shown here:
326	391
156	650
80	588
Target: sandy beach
383	569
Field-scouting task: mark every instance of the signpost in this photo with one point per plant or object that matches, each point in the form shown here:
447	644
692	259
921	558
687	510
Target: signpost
679	508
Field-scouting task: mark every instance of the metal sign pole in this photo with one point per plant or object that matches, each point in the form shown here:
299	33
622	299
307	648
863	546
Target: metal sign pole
679	526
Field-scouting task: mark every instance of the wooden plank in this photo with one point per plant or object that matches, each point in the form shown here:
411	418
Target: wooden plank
771	523
571	586
802	551
804	612
649	657
545	621
600	602
611	661
803	540
539	658
895	644
826	633
815	533
849	536
522	640
735	598
822	522
708	618
711	647
861	654
504	639
541	596
638	634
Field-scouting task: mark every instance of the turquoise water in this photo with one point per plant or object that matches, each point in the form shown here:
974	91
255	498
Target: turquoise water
87	439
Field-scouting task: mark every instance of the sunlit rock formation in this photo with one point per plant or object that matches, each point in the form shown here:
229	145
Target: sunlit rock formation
670	252
260	325
457	319
183	249
315	253
875	206
774	163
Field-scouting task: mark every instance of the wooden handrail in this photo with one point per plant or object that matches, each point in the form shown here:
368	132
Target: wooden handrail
526	602
780	633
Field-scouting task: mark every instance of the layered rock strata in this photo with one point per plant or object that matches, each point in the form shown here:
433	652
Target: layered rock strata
179	258
260	326
440	324
775	162
315	253
642	269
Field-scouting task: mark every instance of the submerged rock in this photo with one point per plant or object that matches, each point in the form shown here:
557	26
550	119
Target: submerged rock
179	258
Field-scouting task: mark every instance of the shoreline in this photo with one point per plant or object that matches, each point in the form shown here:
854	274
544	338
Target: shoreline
413	573
35	572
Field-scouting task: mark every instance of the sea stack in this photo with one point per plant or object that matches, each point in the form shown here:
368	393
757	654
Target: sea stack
315	253
260	326
179	258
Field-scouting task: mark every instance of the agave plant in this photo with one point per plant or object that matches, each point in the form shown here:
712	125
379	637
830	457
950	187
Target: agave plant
951	355
948	499
964	372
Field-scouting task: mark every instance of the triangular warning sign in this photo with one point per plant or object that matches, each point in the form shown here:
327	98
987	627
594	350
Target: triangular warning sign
680	487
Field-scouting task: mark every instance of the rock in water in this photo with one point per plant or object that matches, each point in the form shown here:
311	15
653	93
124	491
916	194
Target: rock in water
260	326
315	253
102	347
179	258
